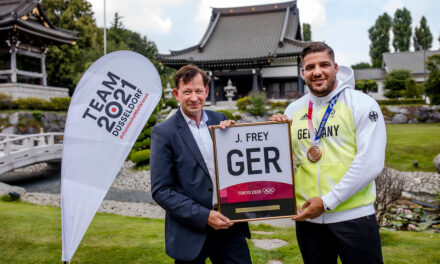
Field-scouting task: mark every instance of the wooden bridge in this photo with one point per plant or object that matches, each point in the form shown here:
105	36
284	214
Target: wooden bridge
18	151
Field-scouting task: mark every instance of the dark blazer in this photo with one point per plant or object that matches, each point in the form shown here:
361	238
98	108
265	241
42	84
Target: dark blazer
180	183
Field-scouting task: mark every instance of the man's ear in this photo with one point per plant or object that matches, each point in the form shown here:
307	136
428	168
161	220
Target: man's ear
176	94
302	73
206	91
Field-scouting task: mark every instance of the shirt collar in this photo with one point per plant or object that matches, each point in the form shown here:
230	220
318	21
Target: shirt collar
190	121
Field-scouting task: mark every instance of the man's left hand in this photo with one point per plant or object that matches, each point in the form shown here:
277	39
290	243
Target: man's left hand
313	208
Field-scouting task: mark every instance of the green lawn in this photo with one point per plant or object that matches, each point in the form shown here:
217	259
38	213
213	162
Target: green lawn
32	234
409	142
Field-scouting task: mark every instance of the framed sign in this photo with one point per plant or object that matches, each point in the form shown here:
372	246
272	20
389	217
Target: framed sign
254	171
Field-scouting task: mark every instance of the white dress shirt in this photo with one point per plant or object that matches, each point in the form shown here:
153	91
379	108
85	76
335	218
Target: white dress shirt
204	142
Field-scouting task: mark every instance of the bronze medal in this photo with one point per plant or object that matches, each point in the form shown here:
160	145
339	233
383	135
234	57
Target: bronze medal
314	153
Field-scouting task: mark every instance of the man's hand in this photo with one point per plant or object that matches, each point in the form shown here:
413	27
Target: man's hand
218	221
226	123
313	208
279	118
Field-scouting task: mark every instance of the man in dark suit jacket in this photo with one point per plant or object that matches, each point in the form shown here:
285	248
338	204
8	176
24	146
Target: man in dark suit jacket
183	180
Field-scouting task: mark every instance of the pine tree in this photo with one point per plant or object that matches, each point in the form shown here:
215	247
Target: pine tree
402	30
422	36
307	32
379	35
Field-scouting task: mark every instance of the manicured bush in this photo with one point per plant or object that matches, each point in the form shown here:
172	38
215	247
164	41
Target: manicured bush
257	104
148	131
242	103
279	104
140	157
59	104
228	114
152	120
401	101
30	103
6	101
172	103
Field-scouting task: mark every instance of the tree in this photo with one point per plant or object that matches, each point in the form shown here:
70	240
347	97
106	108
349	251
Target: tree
65	63
366	86
422	36
307	32
412	89
402	30
379	35
395	83
432	85
361	65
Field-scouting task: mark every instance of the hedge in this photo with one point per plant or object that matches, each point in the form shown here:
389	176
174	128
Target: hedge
140	156
34	103
401	101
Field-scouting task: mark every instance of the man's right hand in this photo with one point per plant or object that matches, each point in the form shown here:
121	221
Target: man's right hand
218	221
279	118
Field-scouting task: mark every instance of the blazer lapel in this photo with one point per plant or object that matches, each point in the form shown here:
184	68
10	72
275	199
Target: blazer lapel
189	140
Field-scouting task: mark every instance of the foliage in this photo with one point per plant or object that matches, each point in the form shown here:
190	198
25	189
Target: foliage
278	104
152	120
389	187
58	103
140	157
422	38
30	103
66	63
402	30
6	101
172	103
395	83
401	102
228	114
401	217
412	90
118	239
432	85
37	115
361	65
366	86
409	142
257	104
242	103
307	32
379	35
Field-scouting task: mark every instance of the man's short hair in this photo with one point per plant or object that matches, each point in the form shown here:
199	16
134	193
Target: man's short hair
187	73
314	47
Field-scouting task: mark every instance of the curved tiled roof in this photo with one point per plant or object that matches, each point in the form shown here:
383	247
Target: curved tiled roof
19	14
253	33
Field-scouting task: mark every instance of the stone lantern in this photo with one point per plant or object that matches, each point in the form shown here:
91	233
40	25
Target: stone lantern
168	92
230	90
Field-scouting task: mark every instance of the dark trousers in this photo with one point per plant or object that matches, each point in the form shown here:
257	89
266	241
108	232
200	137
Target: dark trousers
223	247
354	241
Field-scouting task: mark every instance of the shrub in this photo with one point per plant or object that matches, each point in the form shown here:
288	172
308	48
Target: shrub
140	157
148	131
37	115
389	187
59	103
152	120
242	103
6	101
228	114
401	101
277	104
30	103
257	104
172	103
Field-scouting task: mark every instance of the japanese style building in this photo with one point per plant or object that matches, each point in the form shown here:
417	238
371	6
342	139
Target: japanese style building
25	34
256	47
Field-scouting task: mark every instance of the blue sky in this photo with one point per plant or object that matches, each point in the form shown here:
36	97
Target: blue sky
343	24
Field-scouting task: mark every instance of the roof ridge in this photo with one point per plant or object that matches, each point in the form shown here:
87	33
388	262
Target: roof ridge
254	8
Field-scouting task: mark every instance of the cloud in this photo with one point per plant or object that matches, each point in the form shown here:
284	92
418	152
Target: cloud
391	5
312	12
137	15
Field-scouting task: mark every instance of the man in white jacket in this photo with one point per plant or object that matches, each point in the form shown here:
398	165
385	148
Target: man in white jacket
338	140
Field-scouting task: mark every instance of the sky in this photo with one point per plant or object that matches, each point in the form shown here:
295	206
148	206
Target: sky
343	24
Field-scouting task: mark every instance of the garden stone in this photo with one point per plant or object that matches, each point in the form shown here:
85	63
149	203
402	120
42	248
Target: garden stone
6	188
435	116
10	130
13	119
400	119
437	162
269	244
413	121
423	113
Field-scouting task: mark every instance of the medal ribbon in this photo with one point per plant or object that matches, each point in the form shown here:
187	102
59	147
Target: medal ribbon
316	138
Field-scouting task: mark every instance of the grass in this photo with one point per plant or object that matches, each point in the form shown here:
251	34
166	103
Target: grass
409	142
32	234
